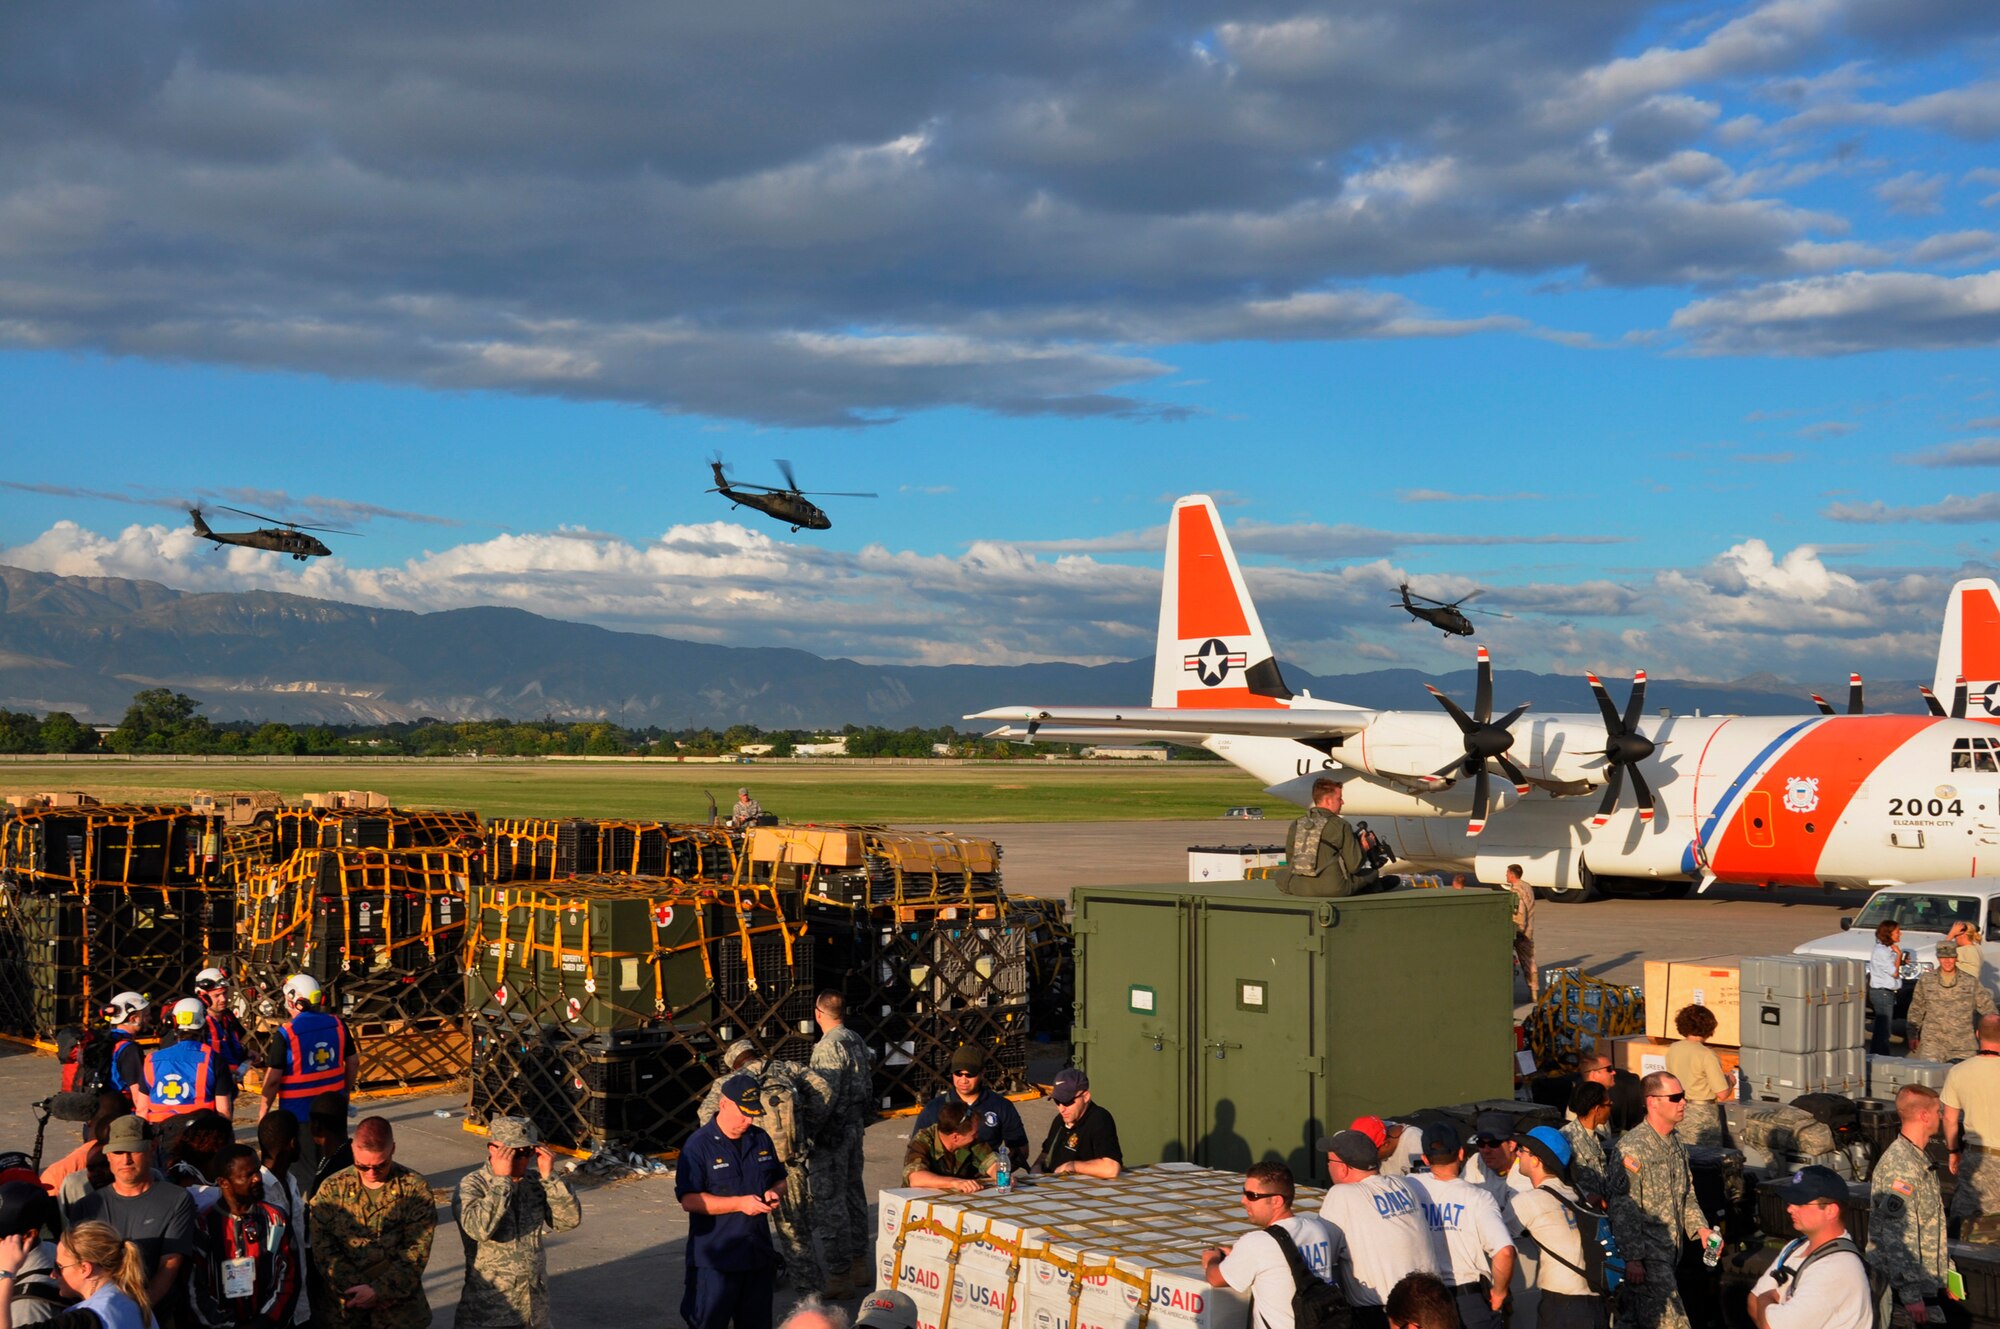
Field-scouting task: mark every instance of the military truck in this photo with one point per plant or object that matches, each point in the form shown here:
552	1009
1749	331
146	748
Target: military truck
240	807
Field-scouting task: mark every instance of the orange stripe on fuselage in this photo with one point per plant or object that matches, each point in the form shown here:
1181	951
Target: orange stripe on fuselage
1840	752
1223	699
1208	606
1979	636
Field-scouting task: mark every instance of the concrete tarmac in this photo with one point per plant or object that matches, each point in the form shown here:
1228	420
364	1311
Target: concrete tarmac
624	1265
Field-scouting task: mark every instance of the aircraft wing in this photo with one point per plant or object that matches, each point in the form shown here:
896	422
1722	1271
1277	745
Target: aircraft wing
1162	721
1018	733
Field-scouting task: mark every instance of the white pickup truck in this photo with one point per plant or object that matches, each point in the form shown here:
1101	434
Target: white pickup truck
1926	912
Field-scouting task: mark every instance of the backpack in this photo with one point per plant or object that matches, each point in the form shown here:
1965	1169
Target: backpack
1603	1268
1316	1304
95	1052
1878	1287
1837	1111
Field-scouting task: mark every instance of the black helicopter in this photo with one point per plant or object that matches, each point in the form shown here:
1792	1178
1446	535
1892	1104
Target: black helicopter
1447	617
788	505
285	537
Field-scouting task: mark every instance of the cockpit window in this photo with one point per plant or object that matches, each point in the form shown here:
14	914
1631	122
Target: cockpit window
1975	754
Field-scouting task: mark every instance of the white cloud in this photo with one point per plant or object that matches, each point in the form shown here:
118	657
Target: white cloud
1846	314
1971	452
1952	510
1913	193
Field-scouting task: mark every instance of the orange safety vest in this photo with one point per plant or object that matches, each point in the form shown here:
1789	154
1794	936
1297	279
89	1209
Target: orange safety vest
187	1089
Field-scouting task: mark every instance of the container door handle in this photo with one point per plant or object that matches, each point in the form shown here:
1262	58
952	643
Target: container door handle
1220	1045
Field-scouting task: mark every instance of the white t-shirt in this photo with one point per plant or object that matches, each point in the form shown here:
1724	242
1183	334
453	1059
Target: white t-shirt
1383	1235
1466	1228
1255	1265
1833	1294
1553	1226
1403	1159
285	1194
1503	1189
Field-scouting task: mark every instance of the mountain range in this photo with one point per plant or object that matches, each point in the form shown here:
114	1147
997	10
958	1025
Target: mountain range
86	644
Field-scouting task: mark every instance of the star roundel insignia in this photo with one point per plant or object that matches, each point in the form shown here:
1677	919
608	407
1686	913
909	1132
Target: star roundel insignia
1212	663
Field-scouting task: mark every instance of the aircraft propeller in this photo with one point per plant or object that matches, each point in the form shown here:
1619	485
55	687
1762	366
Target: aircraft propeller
1624	748
1853	698
1936	707
1485	740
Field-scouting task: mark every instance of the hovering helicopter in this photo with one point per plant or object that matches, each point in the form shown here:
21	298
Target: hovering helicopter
787	505
284	537
1447	617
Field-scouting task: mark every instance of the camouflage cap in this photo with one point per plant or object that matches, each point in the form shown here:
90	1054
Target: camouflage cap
1947	949
513	1133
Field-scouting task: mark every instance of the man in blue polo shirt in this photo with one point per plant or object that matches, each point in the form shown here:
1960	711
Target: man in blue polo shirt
729	1180
999	1121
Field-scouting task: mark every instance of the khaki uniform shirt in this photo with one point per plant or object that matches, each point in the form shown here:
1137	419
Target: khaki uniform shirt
381	1238
1973	1087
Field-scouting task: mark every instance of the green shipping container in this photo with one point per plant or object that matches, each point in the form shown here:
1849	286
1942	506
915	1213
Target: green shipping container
602	971
1225	1023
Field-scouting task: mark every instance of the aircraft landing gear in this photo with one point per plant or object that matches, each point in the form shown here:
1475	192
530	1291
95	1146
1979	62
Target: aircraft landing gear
1582	889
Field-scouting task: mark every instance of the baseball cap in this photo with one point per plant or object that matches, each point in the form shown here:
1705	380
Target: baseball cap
1442	1141
128	1135
1372	1127
737	1049
1352	1148
1947	949
743	1092
969	1058
887	1309
25	1208
743	790
210	978
1069	1082
1813	1183
1492	1128
513	1133
17	1166
1547	1144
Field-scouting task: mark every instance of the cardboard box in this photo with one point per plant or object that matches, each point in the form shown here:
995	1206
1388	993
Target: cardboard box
1642	1056
1713	981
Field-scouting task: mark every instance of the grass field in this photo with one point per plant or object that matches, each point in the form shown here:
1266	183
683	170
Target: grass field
864	791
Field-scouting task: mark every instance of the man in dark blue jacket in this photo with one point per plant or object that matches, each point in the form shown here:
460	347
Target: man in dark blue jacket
999	1121
729	1180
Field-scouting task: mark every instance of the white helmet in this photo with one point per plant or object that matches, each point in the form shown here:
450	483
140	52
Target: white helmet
190	1016
210	978
303	988
126	1005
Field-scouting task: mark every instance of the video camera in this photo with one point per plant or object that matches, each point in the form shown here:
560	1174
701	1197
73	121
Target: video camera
1375	853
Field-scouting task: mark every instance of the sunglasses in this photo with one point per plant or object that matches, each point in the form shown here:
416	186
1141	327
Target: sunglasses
965	1075
1671	1098
382	1166
1258	1195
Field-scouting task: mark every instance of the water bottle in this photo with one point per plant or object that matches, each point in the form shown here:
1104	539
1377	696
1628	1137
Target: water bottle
1003	1175
1711	1250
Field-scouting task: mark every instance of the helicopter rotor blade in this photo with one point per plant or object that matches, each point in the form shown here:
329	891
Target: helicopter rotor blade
1490	613
254	516
785	469
1469	595
835	493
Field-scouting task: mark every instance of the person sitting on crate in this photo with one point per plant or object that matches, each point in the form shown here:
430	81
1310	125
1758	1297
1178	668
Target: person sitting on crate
226	1035
947	1155
997	1121
1083	1138
188	1076
1324	856
746	810
312	1053
797	1100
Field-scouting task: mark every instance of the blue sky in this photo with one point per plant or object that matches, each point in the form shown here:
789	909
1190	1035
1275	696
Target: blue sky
1673	326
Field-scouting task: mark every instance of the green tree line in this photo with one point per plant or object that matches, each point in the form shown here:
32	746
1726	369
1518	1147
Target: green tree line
163	722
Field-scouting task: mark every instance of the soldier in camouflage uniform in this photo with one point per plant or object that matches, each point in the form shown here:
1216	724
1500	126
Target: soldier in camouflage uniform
1323	856
1590	1107
947	1154
1657	1209
840	1198
796	1102
1906	1219
1946	1005
503	1210
372	1226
